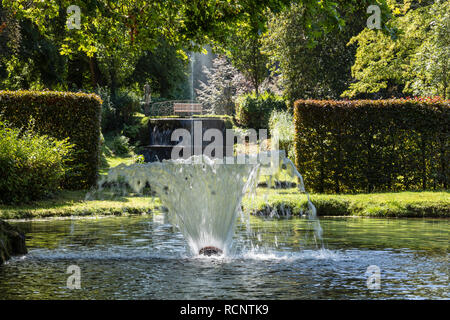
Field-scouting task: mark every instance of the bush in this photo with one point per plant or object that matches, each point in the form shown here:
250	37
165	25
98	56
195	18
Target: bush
105	152
121	145
117	111
254	112
61	115
367	145
32	166
281	128
108	111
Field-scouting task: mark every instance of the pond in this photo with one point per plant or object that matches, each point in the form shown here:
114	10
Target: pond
144	257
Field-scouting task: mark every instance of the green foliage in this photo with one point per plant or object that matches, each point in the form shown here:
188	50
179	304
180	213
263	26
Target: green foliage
120	145
309	51
124	44
118	110
32	166
372	145
61	115
164	69
139	24
431	63
254	112
244	47
282	131
27	59
413	58
138	158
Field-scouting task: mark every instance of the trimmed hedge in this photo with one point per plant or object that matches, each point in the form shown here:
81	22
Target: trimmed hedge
61	115
372	145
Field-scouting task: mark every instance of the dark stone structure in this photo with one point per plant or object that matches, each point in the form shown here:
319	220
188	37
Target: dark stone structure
12	242
161	129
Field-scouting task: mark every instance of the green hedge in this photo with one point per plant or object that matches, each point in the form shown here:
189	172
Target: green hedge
254	112
61	115
372	145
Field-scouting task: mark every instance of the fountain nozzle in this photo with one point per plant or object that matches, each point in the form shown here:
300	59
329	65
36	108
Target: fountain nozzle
210	251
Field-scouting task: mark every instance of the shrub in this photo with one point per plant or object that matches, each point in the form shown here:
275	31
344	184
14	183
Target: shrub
121	145
281	127
126	103
122	115
254	112
32	166
105	152
108	111
117	111
61	115
372	145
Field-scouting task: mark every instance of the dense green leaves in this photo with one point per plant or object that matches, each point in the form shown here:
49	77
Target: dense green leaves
308	48
61	115
32	166
372	145
413	59
254	111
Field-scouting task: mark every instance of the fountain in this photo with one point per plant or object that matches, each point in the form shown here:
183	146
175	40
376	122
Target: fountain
203	195
161	130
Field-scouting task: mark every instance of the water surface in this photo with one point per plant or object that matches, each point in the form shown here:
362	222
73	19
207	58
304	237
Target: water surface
146	258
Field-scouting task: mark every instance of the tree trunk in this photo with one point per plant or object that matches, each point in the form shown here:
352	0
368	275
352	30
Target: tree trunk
95	72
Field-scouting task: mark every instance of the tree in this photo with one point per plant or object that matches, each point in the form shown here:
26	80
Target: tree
163	69
245	54
224	84
118	27
413	58
244	48
27	59
431	62
308	49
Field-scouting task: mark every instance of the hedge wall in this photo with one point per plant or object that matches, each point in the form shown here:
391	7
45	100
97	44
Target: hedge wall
372	145
61	115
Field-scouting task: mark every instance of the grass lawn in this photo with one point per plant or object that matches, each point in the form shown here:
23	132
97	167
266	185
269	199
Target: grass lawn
393	204
73	203
401	204
115	161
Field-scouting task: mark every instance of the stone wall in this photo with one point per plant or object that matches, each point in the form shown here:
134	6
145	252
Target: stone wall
12	242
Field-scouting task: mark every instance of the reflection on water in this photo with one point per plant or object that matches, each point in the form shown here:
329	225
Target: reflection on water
145	258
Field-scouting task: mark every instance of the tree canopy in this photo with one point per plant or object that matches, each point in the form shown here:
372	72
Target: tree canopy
414	59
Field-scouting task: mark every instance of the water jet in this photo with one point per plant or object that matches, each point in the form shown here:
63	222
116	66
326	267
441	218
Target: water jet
203	195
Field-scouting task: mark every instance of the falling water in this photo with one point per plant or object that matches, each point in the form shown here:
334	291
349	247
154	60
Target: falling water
312	212
203	196
198	61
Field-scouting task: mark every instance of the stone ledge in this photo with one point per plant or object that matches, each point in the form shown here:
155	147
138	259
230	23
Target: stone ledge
12	242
